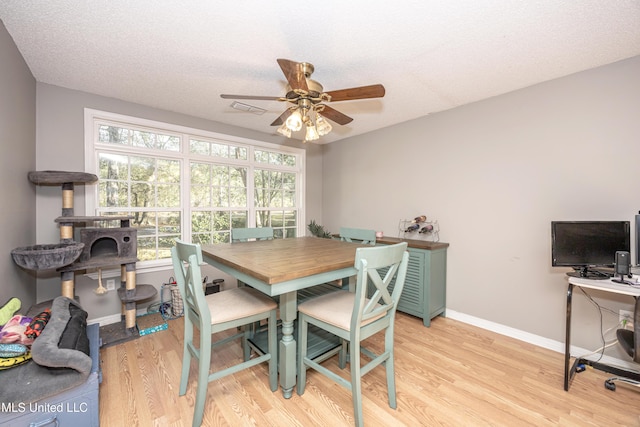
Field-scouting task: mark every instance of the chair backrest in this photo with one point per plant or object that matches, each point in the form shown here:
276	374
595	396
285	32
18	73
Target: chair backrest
360	235
186	259
246	234
391	261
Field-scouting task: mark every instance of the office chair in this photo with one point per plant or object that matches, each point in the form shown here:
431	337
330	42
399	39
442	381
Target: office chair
631	345
353	318
228	309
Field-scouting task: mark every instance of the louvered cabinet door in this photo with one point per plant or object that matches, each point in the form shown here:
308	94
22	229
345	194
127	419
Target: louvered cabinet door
424	293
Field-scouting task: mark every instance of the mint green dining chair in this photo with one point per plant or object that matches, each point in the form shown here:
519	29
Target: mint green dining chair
359	235
217	312
354	317
247	234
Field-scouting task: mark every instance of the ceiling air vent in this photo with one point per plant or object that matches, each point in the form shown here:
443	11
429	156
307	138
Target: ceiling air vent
248	108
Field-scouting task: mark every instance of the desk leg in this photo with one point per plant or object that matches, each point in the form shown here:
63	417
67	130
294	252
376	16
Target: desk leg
287	349
567	340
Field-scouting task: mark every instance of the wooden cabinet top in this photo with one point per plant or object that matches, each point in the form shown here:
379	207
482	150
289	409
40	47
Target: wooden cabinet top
417	244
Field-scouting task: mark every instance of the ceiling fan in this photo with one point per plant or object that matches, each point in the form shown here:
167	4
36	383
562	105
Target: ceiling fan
309	100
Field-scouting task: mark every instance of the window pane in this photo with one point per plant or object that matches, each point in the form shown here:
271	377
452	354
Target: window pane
220	175
169	195
199	147
200	196
289	199
275	158
201	222
200	173
290	218
221	220
284	222
168	171
113	194
221	237
261	156
165	243
113	166
146	248
238	197
143	139
239	219
289	181
238	177
142	168
239	153
203	239
169	223
113	135
220	197
289	160
142	195
220	150
168	142
145	222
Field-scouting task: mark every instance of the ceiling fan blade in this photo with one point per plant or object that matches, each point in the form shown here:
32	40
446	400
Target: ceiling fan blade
335	115
280	120
362	92
294	74
259	98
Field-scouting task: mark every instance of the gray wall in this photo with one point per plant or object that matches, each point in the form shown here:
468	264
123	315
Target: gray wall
60	146
495	174
17	195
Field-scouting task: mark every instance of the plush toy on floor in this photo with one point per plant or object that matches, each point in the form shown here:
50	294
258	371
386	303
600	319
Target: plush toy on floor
8	310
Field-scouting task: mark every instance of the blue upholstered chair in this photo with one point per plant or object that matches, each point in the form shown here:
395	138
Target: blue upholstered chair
354	317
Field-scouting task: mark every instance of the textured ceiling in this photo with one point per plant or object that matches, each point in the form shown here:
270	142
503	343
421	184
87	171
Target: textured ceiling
431	55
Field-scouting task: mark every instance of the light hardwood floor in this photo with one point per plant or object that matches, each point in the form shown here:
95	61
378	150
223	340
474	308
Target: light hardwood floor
451	374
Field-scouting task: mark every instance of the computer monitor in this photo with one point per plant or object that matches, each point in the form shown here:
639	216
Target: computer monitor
587	245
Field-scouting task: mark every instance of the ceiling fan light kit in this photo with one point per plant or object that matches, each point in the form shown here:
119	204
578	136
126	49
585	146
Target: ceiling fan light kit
309	100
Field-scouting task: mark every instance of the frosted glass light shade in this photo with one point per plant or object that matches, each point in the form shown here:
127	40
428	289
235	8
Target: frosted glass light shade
294	121
312	133
284	130
322	125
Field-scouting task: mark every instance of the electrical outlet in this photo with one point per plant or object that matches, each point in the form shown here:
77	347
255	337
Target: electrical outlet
111	286
626	315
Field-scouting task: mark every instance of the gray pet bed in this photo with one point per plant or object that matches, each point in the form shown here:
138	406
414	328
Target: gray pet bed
60	357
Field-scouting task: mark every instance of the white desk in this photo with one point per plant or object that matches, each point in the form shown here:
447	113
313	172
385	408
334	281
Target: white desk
600	285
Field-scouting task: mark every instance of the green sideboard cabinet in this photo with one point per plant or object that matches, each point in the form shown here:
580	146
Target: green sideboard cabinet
425	288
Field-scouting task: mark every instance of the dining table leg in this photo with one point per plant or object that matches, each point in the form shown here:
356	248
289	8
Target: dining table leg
287	349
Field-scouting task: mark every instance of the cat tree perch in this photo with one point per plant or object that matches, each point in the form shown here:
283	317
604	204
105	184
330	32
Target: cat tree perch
98	247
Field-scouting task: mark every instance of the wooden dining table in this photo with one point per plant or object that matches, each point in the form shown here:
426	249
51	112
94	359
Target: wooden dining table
283	267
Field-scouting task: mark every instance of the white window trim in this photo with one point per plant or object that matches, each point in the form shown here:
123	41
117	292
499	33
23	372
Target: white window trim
91	192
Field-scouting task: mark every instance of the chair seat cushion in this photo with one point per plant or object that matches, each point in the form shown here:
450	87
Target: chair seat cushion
334	308
237	303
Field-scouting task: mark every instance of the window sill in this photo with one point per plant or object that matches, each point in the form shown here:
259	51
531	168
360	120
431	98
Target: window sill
141	268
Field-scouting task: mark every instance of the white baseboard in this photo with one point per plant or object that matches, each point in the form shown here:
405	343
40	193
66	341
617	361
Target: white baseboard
113	318
543	342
